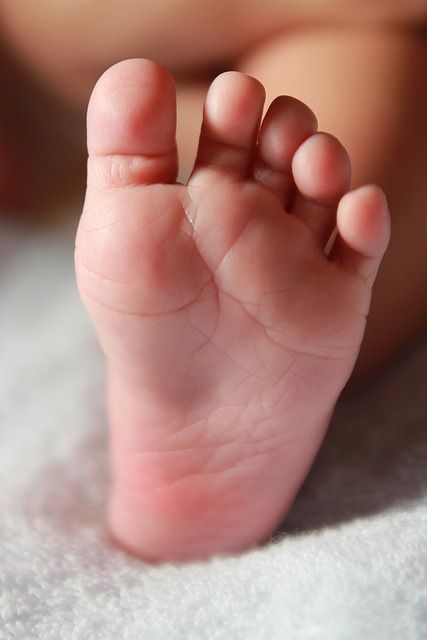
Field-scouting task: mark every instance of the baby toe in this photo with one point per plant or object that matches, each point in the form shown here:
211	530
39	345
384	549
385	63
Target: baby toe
322	172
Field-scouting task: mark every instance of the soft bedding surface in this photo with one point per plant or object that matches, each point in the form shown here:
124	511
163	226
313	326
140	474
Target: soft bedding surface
349	563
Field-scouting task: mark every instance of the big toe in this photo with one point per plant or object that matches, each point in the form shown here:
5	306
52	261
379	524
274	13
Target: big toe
131	125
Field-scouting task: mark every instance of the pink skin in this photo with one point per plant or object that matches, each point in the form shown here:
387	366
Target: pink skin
228	332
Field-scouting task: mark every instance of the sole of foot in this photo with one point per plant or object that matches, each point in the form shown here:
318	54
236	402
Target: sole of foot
230	309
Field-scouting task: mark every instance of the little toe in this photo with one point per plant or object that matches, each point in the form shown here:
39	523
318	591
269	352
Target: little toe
363	222
231	118
287	123
131	125
322	172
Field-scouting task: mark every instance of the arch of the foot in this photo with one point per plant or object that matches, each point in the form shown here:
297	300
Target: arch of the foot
131	125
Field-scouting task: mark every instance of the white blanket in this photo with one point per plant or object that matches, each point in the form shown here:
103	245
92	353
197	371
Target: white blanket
350	562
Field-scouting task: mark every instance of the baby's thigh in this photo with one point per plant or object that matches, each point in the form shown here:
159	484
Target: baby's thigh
69	44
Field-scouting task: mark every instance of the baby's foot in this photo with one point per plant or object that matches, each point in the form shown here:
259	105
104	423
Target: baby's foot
228	331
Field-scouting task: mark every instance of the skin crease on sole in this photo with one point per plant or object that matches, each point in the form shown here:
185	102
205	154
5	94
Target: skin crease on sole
228	332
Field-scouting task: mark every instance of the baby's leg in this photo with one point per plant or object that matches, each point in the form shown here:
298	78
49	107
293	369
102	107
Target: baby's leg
367	88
